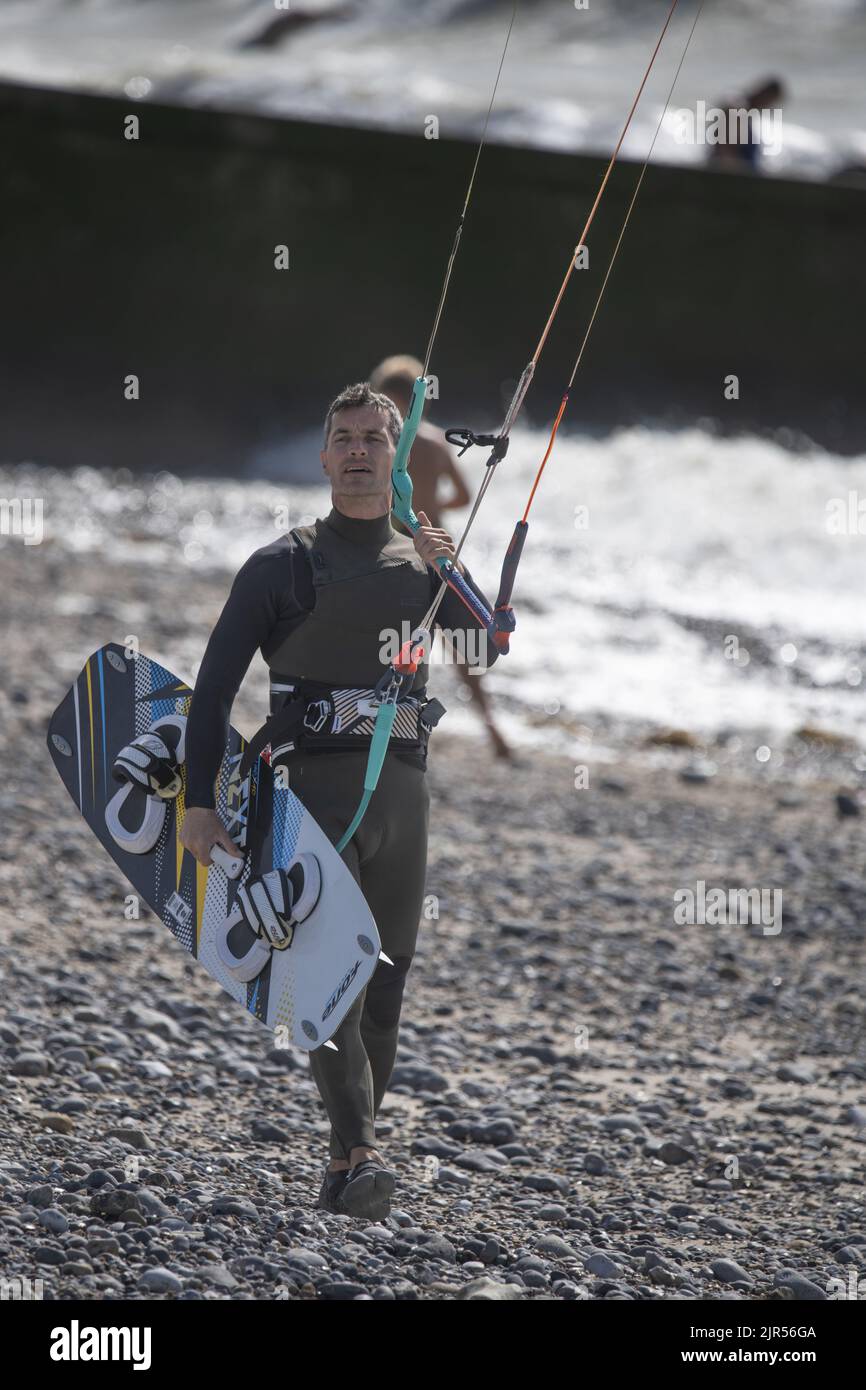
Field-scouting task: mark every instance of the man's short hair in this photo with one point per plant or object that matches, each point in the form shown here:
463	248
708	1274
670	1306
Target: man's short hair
360	394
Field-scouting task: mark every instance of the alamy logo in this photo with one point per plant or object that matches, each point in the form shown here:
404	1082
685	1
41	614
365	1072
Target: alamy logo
18	1289
733	125
77	1343
846	516
854	1289
717	907
457	647
22	516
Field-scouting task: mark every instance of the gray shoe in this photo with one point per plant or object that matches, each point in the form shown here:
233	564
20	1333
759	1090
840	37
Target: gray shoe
333	1185
368	1190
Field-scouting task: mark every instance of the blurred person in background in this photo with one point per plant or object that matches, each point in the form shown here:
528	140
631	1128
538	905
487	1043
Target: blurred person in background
432	463
739	149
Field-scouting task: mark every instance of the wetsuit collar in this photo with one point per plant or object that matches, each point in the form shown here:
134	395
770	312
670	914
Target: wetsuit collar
361	530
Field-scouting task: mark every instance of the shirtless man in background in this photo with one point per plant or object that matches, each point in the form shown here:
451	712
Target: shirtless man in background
431	462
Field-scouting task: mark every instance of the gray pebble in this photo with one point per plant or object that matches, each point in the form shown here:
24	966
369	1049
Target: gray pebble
796	1071
310	1259
30	1064
153	1070
40	1196
160	1281
54	1221
672	1153
618	1123
217	1274
485	1290
799	1285
439	1148
234	1206
49	1255
729	1273
267	1133
545	1182
556	1246
724	1227
448	1176
436	1247
479	1161
418	1077
136	1138
137	1017
70	1105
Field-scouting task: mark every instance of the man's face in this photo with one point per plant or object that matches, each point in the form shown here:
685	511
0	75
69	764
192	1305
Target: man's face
359	453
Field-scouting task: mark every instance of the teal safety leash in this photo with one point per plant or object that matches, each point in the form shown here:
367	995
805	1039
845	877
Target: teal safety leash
413	652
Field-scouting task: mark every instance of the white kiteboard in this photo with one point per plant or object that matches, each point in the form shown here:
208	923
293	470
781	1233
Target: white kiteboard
303	988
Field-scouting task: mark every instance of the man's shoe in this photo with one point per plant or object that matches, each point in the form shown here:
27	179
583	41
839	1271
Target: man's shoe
368	1190
333	1185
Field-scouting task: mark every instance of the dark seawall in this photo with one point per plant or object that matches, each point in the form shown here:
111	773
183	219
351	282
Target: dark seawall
155	257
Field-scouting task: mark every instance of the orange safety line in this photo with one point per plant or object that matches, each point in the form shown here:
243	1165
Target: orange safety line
559	414
607	172
625	223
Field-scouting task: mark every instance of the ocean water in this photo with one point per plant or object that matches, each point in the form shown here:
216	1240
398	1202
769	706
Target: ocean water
568	82
669	579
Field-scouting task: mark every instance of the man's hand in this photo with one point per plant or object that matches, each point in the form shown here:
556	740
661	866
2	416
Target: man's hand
431	542
202	829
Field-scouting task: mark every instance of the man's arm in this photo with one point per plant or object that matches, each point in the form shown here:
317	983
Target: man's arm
246	620
264	592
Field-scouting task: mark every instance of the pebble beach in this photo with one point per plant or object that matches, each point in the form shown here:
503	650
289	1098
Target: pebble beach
592	1099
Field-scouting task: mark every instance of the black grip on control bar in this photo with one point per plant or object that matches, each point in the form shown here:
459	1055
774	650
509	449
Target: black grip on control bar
510	563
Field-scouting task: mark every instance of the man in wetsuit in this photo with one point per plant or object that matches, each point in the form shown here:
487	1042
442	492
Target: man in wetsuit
316	603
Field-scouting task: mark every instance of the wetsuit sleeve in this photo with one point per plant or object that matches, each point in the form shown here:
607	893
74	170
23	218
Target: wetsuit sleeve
455	616
262	594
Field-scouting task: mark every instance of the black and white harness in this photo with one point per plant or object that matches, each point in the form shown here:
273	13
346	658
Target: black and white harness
308	716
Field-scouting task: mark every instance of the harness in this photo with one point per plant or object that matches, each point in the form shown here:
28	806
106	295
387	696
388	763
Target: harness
360	601
312	717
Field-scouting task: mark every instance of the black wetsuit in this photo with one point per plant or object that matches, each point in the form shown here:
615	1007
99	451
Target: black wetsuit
368	577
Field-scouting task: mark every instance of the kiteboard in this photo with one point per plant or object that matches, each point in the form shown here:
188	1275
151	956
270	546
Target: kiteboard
300	983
